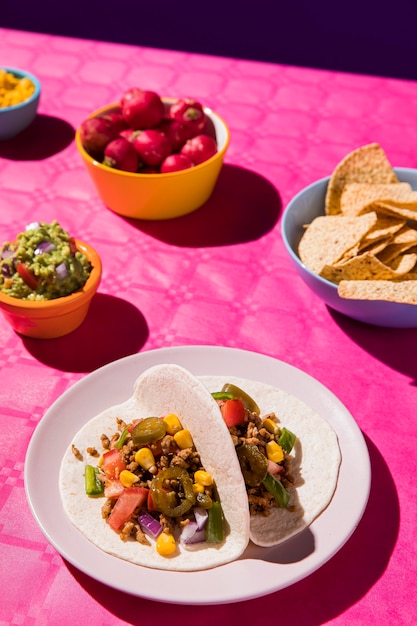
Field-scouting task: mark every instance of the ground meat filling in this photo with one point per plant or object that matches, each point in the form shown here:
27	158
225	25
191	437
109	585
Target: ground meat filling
252	432
167	454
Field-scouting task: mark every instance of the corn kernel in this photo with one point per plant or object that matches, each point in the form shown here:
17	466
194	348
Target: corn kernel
271	426
197	488
145	458
274	452
127	478
203	478
165	544
100	461
173	424
183	439
14	90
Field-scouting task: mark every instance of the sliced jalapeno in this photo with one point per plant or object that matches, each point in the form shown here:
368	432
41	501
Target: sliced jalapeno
237	392
148	430
253	463
172	502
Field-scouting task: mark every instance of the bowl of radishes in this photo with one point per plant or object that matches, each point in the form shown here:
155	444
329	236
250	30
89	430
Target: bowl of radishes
151	157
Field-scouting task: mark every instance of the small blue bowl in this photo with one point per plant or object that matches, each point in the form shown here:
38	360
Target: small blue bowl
301	210
16	118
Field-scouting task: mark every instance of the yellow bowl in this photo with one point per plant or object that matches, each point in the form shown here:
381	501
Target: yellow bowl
47	319
157	196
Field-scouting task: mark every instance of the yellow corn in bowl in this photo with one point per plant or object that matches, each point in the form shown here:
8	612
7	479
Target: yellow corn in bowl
157	196
19	100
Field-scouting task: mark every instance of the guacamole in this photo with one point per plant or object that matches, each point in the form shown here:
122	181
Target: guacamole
42	263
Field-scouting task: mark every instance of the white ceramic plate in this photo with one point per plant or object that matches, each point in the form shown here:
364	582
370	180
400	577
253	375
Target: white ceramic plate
259	571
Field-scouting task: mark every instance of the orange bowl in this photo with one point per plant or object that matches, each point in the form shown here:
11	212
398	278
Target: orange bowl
47	319
157	196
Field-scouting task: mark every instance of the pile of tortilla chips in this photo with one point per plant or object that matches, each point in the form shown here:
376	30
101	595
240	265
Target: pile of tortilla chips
366	242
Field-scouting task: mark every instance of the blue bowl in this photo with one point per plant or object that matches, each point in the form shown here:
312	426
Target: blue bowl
16	118
302	209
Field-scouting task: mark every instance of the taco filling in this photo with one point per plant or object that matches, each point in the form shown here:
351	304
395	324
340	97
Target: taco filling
155	485
263	448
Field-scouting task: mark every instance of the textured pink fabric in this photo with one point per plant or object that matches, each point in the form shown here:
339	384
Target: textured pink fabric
218	277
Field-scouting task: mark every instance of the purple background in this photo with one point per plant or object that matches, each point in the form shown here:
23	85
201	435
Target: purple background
366	37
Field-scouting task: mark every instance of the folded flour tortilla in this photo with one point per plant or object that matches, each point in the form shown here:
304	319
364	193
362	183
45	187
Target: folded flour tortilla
161	390
316	460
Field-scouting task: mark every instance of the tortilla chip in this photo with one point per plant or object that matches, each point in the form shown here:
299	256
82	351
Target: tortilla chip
329	238
384	290
366	267
385	226
358	198
395	211
374	248
393	251
368	164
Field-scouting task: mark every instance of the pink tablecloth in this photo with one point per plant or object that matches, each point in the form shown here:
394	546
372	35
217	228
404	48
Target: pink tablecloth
217	277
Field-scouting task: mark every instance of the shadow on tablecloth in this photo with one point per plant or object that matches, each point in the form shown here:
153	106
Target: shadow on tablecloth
244	206
113	329
396	347
46	136
317	599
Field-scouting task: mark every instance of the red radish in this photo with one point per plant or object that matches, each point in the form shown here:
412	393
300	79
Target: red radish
121	155
128	133
142	108
96	132
117	120
199	148
190	112
152	146
175	163
176	132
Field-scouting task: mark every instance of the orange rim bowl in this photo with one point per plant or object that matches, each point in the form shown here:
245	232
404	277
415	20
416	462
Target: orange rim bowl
157	196
47	319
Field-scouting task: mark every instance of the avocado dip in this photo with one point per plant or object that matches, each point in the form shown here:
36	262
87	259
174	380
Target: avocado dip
42	263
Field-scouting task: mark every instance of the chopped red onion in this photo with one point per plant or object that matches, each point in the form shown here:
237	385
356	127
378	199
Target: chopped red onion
149	524
44	246
6	271
201	516
7	253
61	271
191	534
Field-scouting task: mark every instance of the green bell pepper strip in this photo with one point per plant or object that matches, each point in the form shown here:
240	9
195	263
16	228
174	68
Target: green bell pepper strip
93	486
222	395
214	524
287	440
277	489
122	439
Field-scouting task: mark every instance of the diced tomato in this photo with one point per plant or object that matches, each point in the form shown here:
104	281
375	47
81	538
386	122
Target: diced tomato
27	276
150	505
233	412
72	245
132	425
113	488
113	463
131	498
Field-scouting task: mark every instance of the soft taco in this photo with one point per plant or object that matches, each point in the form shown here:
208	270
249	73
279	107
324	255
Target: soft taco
289	456
155	480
